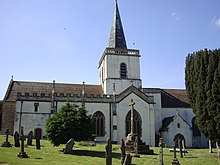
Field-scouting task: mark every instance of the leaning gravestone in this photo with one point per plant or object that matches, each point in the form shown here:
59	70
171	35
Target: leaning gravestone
69	147
22	154
108	153
30	138
122	151
17	139
6	143
128	159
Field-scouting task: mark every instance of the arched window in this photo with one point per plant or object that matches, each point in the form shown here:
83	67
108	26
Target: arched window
123	70
137	123
195	129
99	121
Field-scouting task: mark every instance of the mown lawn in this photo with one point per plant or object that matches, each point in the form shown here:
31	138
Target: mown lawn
95	155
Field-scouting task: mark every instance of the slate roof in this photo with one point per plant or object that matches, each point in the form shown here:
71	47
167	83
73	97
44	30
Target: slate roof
171	98
46	88
166	122
117	37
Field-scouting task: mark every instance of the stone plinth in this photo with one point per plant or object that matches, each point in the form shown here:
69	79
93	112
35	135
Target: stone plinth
142	147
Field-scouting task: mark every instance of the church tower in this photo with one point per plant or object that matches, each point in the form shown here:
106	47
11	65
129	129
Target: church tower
119	67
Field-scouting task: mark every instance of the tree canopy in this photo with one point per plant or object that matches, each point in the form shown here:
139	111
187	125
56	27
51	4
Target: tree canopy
71	121
202	79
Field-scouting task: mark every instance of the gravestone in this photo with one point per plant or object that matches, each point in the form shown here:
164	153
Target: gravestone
128	160
30	138
136	147
108	154
180	148
38	144
22	154
17	139
175	160
210	146
161	145
69	147
6	143
38	137
122	151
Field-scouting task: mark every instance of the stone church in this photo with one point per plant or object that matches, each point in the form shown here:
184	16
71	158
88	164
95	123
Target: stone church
157	112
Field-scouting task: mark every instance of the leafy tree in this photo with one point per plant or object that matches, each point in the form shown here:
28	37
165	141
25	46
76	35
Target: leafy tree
202	79
71	121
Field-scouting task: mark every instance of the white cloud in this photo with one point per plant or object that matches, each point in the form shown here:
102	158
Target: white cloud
216	21
175	16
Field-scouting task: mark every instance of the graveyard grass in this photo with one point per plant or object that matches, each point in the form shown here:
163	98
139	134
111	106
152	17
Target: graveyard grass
90	155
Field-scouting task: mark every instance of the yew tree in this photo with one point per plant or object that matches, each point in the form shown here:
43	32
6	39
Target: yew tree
202	80
71	121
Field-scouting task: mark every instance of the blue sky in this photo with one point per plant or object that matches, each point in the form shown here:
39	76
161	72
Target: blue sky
63	40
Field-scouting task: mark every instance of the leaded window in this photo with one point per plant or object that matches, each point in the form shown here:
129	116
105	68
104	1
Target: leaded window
99	121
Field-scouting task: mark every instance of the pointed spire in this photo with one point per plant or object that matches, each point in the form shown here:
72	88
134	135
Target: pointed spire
117	38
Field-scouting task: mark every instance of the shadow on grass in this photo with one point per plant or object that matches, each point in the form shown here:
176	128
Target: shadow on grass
191	157
100	154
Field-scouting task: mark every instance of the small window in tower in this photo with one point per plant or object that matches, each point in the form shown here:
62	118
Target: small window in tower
36	106
123	70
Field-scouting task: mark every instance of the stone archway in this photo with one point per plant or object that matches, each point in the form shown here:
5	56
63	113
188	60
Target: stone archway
137	123
181	138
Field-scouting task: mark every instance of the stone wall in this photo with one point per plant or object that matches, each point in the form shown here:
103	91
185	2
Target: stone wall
8	112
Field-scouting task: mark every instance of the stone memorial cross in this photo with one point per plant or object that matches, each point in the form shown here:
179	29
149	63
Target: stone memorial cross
7	143
22	154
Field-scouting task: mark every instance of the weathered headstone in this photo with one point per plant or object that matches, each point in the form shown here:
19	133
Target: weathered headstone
136	147
122	151
180	148
69	147
6	143
161	145
38	144
30	138
175	160
210	146
128	159
22	154
17	139
108	154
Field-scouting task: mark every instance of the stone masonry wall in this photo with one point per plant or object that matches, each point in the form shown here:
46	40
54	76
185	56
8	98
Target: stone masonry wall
8	113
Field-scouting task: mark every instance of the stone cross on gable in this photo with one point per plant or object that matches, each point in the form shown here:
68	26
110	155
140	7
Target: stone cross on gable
132	116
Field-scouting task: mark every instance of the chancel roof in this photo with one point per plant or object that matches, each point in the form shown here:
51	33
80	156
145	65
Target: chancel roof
45	88
117	37
171	98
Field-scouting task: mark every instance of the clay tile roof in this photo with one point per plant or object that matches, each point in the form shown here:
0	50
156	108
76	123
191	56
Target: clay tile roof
46	88
174	98
171	98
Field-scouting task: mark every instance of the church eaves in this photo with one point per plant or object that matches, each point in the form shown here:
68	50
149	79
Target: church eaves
117	37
